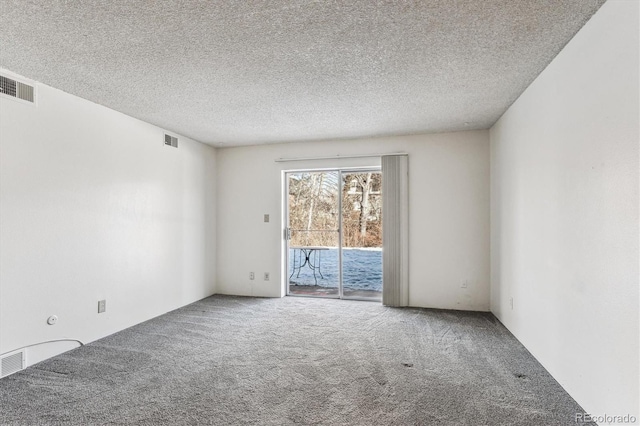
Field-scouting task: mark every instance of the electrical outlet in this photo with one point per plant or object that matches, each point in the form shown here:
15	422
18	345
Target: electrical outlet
252	276
266	218
102	306
266	276
511	302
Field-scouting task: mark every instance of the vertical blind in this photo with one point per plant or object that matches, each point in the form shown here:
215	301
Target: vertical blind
395	230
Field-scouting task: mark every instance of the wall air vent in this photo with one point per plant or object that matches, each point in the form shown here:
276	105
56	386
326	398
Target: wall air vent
12	363
170	140
15	89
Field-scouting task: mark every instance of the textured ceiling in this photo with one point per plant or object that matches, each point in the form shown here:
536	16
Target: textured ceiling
250	72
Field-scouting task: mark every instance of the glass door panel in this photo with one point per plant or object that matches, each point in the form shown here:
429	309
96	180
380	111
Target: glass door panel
362	234
313	262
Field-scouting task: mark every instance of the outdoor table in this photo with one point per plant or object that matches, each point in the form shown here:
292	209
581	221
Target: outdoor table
309	256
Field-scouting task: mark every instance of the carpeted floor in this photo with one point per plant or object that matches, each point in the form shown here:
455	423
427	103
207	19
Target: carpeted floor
232	360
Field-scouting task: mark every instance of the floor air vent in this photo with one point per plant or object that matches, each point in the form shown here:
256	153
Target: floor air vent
170	140
16	89
11	363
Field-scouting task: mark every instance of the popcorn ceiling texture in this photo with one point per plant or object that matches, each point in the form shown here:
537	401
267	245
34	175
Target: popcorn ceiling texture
249	72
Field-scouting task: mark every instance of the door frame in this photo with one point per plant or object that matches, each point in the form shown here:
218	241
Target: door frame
285	227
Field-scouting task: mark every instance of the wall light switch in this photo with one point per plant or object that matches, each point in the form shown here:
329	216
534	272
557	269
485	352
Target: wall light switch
252	276
266	218
102	306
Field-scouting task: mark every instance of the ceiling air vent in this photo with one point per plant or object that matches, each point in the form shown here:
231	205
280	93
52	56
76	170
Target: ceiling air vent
16	89
11	363
170	140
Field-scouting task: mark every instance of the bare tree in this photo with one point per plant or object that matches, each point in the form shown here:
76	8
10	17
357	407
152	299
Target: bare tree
362	210
316	191
313	214
365	185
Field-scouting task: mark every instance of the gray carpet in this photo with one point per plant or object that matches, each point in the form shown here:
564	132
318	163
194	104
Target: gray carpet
232	360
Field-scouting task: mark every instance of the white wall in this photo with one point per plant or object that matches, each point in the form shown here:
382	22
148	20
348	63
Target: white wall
448	210
564	214
94	206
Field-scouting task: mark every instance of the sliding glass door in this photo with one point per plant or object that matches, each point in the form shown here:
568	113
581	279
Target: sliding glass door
334	233
362	234
313	233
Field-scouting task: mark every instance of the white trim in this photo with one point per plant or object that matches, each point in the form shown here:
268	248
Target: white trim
340	220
